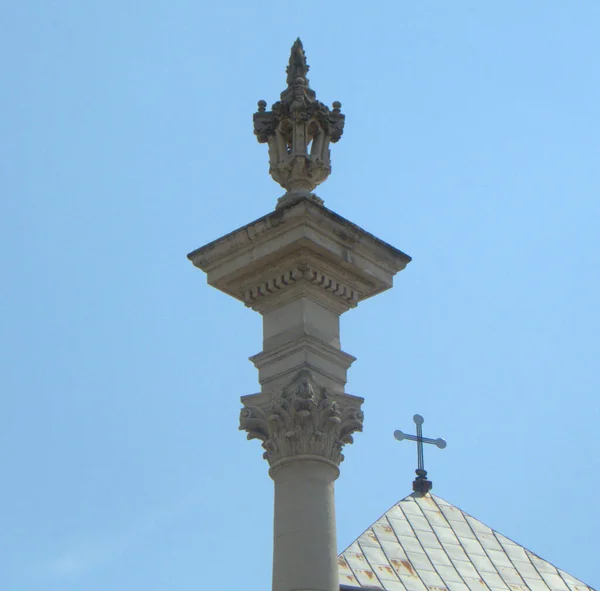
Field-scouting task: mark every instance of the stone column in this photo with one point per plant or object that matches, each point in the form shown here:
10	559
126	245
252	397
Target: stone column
303	429
301	267
304	533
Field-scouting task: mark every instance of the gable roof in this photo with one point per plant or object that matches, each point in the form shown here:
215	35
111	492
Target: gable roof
425	544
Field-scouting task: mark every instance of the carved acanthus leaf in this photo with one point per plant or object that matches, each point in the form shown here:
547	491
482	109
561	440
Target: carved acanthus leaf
303	419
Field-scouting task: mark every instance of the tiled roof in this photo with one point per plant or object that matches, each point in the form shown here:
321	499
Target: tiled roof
425	544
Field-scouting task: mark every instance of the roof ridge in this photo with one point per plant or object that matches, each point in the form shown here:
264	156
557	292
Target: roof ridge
374	522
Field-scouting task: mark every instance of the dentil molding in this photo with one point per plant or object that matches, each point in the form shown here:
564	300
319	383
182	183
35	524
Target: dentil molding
301	273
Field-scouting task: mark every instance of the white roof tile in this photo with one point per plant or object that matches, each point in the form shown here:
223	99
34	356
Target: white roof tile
425	544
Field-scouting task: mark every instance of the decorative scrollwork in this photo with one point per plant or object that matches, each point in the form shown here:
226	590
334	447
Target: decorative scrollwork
303	419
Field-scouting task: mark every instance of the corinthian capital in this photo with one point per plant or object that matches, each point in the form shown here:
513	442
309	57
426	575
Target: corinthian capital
303	419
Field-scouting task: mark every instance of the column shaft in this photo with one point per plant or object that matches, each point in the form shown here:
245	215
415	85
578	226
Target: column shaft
305	545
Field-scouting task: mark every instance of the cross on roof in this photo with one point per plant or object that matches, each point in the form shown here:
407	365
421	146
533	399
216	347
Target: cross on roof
420	484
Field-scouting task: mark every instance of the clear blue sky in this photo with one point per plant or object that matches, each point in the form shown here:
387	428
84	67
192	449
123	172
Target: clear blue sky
472	143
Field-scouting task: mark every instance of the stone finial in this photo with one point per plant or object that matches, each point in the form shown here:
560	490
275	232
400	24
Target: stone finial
297	66
298	130
303	419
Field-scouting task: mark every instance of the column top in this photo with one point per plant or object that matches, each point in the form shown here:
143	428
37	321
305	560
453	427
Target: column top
298	244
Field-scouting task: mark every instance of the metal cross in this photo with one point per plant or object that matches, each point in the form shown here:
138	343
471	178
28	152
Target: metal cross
421	484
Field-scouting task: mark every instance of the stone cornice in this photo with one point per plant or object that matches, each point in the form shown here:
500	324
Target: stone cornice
274	241
301	420
347	234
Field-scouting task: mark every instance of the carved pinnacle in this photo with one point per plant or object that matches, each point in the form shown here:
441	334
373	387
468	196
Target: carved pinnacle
297	67
298	130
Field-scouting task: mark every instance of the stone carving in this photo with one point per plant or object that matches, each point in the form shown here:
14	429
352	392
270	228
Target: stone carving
301	272
303	419
298	131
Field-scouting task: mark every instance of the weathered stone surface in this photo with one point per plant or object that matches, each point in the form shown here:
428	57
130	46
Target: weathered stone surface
304	536
301	267
277	366
301	248
298	130
303	419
